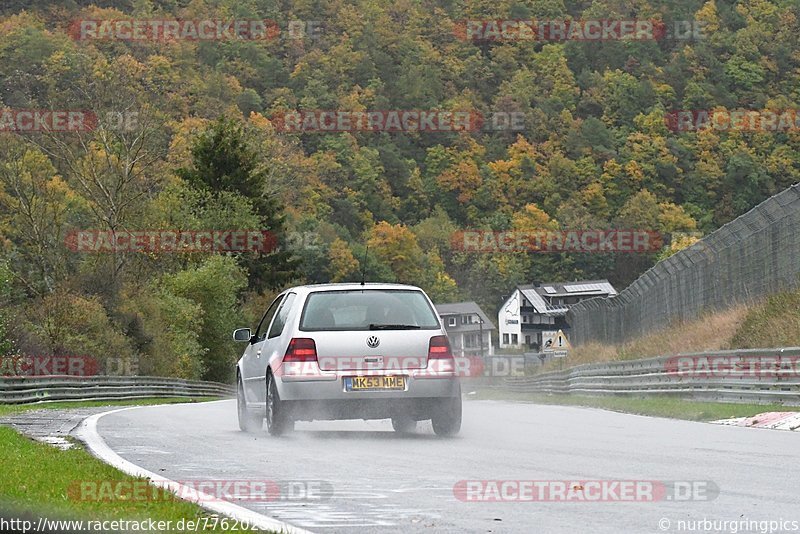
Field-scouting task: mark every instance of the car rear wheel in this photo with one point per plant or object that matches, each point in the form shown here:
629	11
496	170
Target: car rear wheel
278	421
446	418
249	421
403	424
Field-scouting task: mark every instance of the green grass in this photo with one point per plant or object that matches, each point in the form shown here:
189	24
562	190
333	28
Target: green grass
10	409
658	406
39	480
775	322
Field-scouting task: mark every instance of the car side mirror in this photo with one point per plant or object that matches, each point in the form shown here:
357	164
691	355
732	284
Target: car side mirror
242	334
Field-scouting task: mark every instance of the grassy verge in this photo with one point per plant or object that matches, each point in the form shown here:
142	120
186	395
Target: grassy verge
39	480
710	332
774	322
658	406
771	322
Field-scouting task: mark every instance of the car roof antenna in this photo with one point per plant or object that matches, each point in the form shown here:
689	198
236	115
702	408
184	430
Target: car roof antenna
364	270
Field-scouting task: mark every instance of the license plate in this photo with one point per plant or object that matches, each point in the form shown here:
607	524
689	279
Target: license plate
365	383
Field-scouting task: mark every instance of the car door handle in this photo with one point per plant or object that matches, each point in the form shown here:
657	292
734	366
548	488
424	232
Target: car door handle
258	353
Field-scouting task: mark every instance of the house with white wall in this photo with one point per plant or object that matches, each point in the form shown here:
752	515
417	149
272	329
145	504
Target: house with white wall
468	328
540	308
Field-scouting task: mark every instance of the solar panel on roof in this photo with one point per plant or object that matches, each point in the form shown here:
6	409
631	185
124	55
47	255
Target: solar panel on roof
549	289
581	288
535	299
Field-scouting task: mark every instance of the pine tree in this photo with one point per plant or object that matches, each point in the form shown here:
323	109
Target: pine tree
223	160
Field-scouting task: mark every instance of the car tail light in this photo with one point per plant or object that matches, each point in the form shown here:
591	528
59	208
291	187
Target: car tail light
441	362
301	349
439	349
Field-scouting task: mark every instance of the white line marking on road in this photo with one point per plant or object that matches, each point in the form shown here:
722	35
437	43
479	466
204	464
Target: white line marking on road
87	432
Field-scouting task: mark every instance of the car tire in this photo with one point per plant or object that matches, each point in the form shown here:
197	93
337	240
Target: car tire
404	424
278	420
446	418
249	421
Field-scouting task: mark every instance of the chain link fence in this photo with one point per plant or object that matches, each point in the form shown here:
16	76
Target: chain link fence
755	255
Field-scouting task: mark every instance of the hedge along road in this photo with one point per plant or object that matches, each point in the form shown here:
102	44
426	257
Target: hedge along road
593	470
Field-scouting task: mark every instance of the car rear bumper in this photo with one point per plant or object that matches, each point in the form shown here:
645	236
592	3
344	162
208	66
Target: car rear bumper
419	408
332	388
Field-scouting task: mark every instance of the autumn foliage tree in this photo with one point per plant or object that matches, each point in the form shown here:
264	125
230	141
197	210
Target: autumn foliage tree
596	149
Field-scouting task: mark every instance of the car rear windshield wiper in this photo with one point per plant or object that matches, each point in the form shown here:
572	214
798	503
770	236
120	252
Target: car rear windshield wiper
393	327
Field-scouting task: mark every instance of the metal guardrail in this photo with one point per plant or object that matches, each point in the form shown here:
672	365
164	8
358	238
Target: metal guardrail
32	389
778	382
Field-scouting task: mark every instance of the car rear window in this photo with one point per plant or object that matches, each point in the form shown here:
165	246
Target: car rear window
359	309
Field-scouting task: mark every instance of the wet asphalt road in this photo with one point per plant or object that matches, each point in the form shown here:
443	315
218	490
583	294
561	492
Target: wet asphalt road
382	482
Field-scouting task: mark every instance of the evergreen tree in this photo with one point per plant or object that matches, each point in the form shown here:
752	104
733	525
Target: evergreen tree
223	159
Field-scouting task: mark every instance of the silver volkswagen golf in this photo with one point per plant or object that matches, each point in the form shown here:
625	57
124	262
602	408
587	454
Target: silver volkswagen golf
348	351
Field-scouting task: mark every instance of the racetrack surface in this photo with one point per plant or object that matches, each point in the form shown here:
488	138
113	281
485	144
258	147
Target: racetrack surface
383	482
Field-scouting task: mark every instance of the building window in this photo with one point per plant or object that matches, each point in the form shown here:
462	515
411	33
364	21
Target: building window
514	339
525	319
451	321
527	340
505	339
472	341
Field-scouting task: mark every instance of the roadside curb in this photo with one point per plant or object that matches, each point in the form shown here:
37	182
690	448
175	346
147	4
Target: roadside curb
771	420
87	433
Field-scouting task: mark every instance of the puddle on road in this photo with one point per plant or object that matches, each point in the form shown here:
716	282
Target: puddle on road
369	507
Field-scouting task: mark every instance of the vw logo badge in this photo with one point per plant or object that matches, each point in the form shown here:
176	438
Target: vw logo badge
373	341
